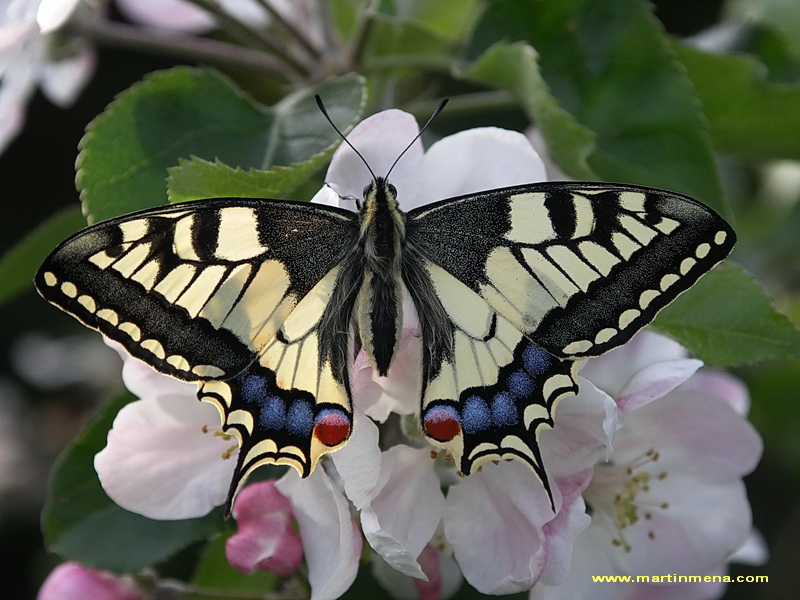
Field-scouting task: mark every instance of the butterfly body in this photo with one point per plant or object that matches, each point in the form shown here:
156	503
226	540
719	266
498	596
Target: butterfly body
265	303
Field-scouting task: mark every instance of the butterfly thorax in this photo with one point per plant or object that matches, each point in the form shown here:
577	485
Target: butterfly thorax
378	310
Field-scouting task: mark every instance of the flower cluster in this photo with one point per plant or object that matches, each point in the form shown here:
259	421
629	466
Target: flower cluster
645	462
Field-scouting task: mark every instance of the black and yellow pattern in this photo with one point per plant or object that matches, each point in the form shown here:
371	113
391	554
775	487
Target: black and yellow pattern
264	303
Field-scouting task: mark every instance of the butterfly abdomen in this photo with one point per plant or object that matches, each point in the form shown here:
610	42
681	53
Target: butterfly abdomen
379	312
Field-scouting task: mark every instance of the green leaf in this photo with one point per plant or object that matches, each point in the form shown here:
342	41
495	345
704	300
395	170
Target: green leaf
80	522
214	573
749	115
610	66
514	67
300	141
398	36
19	264
186	112
449	18
727	319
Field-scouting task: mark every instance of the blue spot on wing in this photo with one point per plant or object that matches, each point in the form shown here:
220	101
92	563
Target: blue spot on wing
519	385
475	416
504	410
535	360
273	412
300	420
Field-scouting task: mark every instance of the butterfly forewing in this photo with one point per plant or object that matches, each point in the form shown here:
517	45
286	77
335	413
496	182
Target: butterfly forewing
577	267
196	289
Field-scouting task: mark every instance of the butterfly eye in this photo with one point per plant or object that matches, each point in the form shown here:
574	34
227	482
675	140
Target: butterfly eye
366	190
392	189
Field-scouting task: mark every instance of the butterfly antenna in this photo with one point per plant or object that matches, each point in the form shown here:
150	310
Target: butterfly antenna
341	135
416	137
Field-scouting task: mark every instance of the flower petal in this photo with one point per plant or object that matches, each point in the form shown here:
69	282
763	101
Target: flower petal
612	371
331	539
63	80
359	462
694	433
494	520
475	160
700	528
564	529
73	581
655	381
444	578
159	462
52	14
722	385
144	381
584	427
265	538
380	139
402	518
693	513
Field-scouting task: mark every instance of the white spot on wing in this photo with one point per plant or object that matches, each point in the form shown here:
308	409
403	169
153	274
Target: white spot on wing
577	347
207	371
576	268
668	280
68	289
179	362
667	226
134	230
584	216
641	232
132	259
627	317
624	244
600	258
132	330
237	239
182	244
604	335
88	303
530	219
175	282
108	315
647	297
686	265
632	201
155	347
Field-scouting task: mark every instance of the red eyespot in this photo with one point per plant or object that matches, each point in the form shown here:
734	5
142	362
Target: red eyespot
442	423
332	428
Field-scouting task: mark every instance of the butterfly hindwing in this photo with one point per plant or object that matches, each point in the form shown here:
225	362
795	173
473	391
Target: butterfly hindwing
195	289
578	267
489	395
292	405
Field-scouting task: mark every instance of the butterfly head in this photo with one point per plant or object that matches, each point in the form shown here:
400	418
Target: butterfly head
379	191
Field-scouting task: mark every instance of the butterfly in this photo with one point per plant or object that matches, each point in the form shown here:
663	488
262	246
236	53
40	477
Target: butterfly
265	304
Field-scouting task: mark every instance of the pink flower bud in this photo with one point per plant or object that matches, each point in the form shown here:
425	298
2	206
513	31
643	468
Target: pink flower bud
266	539
73	581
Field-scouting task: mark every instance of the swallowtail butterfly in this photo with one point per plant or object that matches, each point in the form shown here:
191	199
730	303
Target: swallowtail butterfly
264	304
